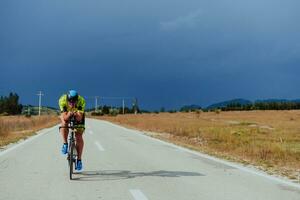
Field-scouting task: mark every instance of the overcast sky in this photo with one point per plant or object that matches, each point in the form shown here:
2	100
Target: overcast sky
166	53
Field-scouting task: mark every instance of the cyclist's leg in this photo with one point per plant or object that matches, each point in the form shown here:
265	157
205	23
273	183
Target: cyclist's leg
79	138
64	131
79	143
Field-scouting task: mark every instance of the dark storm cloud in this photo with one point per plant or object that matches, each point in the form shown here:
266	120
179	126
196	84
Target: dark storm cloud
167	53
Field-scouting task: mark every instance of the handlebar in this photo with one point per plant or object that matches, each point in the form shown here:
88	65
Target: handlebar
72	122
69	127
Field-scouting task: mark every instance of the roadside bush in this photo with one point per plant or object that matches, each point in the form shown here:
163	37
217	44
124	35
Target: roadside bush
2	131
198	113
172	111
217	111
4	114
113	112
99	113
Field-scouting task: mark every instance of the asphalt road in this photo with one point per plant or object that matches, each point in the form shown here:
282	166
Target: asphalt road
124	164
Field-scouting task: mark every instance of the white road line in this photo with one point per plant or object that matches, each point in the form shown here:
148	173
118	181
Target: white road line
138	195
91	132
99	146
228	163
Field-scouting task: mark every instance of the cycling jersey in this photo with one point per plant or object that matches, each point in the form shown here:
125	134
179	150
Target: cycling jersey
64	106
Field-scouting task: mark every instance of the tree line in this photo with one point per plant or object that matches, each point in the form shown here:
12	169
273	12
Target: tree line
108	110
262	106
284	105
9	105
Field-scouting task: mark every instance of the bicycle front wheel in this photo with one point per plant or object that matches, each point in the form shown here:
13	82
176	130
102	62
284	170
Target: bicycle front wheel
71	160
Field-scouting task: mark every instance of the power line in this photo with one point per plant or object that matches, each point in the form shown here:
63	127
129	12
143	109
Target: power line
115	98
96	101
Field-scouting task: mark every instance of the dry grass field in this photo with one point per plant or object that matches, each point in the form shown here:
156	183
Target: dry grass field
14	128
269	140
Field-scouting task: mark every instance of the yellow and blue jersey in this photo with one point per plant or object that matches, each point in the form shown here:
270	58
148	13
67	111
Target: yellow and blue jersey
64	106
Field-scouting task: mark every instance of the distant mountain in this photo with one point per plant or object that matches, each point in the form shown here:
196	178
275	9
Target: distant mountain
277	101
226	103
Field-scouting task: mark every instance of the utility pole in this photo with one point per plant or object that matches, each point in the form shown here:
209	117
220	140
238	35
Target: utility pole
28	111
96	103
123	102
135	105
40	94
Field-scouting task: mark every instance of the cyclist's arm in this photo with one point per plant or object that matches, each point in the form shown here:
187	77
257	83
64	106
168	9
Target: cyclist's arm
81	105
66	115
62	102
80	109
63	108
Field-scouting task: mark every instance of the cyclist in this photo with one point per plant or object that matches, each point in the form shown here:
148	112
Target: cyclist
72	104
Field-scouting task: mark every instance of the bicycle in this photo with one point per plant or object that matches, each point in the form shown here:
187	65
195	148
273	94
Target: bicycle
72	152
